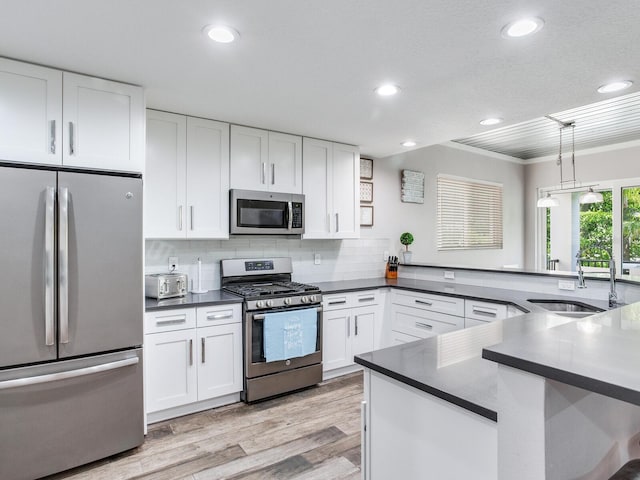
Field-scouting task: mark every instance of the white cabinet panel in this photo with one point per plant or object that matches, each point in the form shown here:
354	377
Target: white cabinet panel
103	124
220	360
169	320
249	158
285	163
170	370
219	314
428	301
336	345
363	329
30	113
346	190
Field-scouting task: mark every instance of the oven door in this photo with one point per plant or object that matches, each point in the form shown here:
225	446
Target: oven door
255	362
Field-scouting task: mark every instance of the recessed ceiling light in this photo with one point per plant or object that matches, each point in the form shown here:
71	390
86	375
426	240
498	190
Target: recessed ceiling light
387	90
523	27
221	33
490	121
408	143
615	86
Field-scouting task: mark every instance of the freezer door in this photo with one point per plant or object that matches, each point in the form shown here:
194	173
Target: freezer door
27	286
100	299
60	415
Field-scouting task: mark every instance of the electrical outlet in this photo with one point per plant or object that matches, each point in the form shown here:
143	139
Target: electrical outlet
173	264
385	255
317	259
449	275
566	285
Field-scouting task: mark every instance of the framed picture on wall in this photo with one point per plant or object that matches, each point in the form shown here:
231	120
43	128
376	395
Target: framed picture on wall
366	168
366	216
366	192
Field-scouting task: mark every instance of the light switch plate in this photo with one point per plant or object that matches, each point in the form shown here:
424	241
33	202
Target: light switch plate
566	285
317	259
449	275
173	264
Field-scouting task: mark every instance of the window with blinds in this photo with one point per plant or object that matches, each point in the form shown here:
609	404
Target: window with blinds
469	214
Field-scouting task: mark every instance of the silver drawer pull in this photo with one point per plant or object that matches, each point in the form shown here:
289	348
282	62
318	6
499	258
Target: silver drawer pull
203	348
487	313
424	325
219	316
424	302
367	299
337	302
173	321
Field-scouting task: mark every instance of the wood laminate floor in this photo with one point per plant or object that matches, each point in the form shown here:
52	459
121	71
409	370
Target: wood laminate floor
308	435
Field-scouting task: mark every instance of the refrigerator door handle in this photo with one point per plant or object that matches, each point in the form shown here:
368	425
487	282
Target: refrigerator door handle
53	377
49	269
63	264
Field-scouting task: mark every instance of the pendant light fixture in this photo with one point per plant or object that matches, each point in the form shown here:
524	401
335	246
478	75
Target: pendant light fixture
568	185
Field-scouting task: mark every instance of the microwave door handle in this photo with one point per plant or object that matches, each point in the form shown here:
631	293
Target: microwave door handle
290	215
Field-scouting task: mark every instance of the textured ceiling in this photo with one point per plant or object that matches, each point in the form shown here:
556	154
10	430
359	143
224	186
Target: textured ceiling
608	122
310	67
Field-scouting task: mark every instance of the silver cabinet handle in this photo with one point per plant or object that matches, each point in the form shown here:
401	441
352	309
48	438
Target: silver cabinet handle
72	149
487	313
348	326
264	173
366	299
190	351
290	214
53	377
356	322
202	345
219	316
424	302
424	325
337	302
63	264
337	222
180	217
49	268
173	321
329	222
191	216
273	174
52	136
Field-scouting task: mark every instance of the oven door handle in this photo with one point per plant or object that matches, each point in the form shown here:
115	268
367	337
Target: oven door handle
260	316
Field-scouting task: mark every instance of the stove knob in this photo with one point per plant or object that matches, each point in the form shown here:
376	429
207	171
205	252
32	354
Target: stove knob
260	304
304	299
269	303
287	301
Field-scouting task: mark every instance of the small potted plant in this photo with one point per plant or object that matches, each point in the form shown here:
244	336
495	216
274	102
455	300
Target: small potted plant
406	239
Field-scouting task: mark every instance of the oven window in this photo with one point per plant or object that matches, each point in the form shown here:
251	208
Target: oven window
261	214
257	343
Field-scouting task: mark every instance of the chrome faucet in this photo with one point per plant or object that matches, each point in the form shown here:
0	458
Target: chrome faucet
613	295
581	283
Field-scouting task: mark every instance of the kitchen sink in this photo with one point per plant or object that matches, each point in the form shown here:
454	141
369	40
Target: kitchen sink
567	308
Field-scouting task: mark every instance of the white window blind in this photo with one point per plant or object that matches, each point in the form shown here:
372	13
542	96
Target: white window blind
469	214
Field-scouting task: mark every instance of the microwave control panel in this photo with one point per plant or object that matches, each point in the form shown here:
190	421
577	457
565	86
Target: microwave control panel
296	221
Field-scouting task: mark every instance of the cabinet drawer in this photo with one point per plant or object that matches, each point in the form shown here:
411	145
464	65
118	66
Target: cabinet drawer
419	323
398	338
350	299
218	315
169	320
470	322
484	311
433	303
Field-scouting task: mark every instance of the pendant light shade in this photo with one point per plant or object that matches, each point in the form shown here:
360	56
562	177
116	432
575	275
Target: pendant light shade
591	197
547	202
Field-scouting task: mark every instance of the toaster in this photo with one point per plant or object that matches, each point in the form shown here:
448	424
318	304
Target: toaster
165	285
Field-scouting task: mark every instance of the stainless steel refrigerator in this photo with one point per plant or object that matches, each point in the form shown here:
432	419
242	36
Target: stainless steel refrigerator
71	316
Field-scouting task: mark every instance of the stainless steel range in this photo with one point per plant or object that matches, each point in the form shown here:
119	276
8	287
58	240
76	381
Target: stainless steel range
276	311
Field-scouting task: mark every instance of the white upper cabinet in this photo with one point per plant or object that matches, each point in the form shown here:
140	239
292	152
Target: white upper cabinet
103	124
31	113
187	177
331	189
266	161
61	118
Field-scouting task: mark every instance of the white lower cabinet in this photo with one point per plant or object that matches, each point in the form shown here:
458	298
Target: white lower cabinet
191	355
478	312
348	331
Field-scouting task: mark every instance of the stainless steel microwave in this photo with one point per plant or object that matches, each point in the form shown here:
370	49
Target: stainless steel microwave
265	213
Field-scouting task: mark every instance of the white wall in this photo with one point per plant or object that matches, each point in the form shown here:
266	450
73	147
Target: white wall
392	217
612	163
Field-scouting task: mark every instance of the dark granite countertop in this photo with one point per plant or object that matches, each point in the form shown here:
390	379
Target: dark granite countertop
212	297
450	366
600	353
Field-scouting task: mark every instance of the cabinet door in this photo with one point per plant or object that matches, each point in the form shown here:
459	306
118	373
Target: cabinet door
423	323
363	329
165	176
249	158
285	163
103	124
207	178
346	191
170	369
219	360
336	341
31	113
317	156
